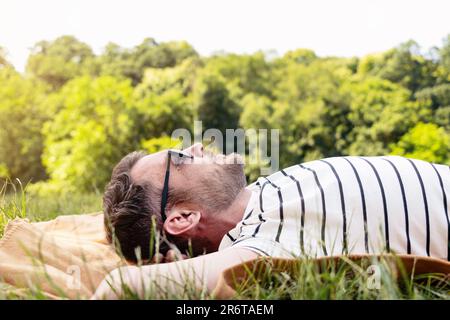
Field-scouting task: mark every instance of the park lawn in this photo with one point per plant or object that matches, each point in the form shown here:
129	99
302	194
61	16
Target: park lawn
35	208
341	281
40	208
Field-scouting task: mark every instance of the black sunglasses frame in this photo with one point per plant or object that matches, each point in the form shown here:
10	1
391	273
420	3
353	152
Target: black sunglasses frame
165	191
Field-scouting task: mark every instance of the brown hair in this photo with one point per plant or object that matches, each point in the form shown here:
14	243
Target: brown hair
130	217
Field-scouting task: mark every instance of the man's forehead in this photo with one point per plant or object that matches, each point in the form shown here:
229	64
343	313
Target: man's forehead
148	165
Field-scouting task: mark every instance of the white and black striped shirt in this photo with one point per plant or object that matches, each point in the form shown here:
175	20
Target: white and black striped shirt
348	205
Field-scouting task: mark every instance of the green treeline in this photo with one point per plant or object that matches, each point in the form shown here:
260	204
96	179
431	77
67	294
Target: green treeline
73	114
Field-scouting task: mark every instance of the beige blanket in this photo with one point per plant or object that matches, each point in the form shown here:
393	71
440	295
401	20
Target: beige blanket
69	256
64	257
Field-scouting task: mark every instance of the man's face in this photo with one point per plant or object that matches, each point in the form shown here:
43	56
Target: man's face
211	180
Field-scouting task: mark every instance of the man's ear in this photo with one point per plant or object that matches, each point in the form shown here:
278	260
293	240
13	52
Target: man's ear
181	220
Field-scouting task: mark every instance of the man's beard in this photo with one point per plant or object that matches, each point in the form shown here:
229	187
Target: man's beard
219	189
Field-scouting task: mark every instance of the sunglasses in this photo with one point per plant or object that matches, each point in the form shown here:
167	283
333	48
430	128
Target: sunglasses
177	158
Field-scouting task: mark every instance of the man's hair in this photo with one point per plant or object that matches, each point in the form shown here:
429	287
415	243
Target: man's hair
129	215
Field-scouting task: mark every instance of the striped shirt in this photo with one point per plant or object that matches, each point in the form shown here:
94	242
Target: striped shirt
348	205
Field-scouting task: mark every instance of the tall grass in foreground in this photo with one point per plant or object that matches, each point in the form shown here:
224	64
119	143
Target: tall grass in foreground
17	203
12	205
341	280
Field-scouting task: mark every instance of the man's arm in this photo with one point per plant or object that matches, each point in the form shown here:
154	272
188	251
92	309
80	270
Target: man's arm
155	280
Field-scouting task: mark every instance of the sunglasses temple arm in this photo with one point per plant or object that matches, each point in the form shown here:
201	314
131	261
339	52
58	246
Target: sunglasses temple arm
165	189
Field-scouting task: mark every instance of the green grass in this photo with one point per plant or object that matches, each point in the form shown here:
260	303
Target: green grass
19	204
342	280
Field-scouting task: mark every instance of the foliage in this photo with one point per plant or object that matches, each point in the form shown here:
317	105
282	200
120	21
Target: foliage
91	131
22	114
425	141
438	98
157	144
74	113
310	110
404	65
214	105
163	113
164	101
380	114
56	62
242	73
443	71
132	63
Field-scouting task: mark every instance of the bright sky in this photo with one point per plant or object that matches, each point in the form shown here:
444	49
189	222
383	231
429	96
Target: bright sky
329	27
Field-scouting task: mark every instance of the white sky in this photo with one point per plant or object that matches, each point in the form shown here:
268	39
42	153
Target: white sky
339	27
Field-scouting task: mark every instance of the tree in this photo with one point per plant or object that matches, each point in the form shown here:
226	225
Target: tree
58	61
160	114
257	112
22	114
157	144
300	56
242	73
425	141
115	61
164	99
444	60
404	65
310	110
132	63
93	129
213	104
381	113
181	76
166	54
438	98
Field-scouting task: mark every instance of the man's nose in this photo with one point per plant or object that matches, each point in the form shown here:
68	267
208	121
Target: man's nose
196	150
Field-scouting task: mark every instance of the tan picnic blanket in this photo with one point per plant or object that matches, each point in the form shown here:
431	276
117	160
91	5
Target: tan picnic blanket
69	256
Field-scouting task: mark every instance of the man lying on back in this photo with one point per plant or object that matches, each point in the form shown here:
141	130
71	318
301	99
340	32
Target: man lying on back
201	202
